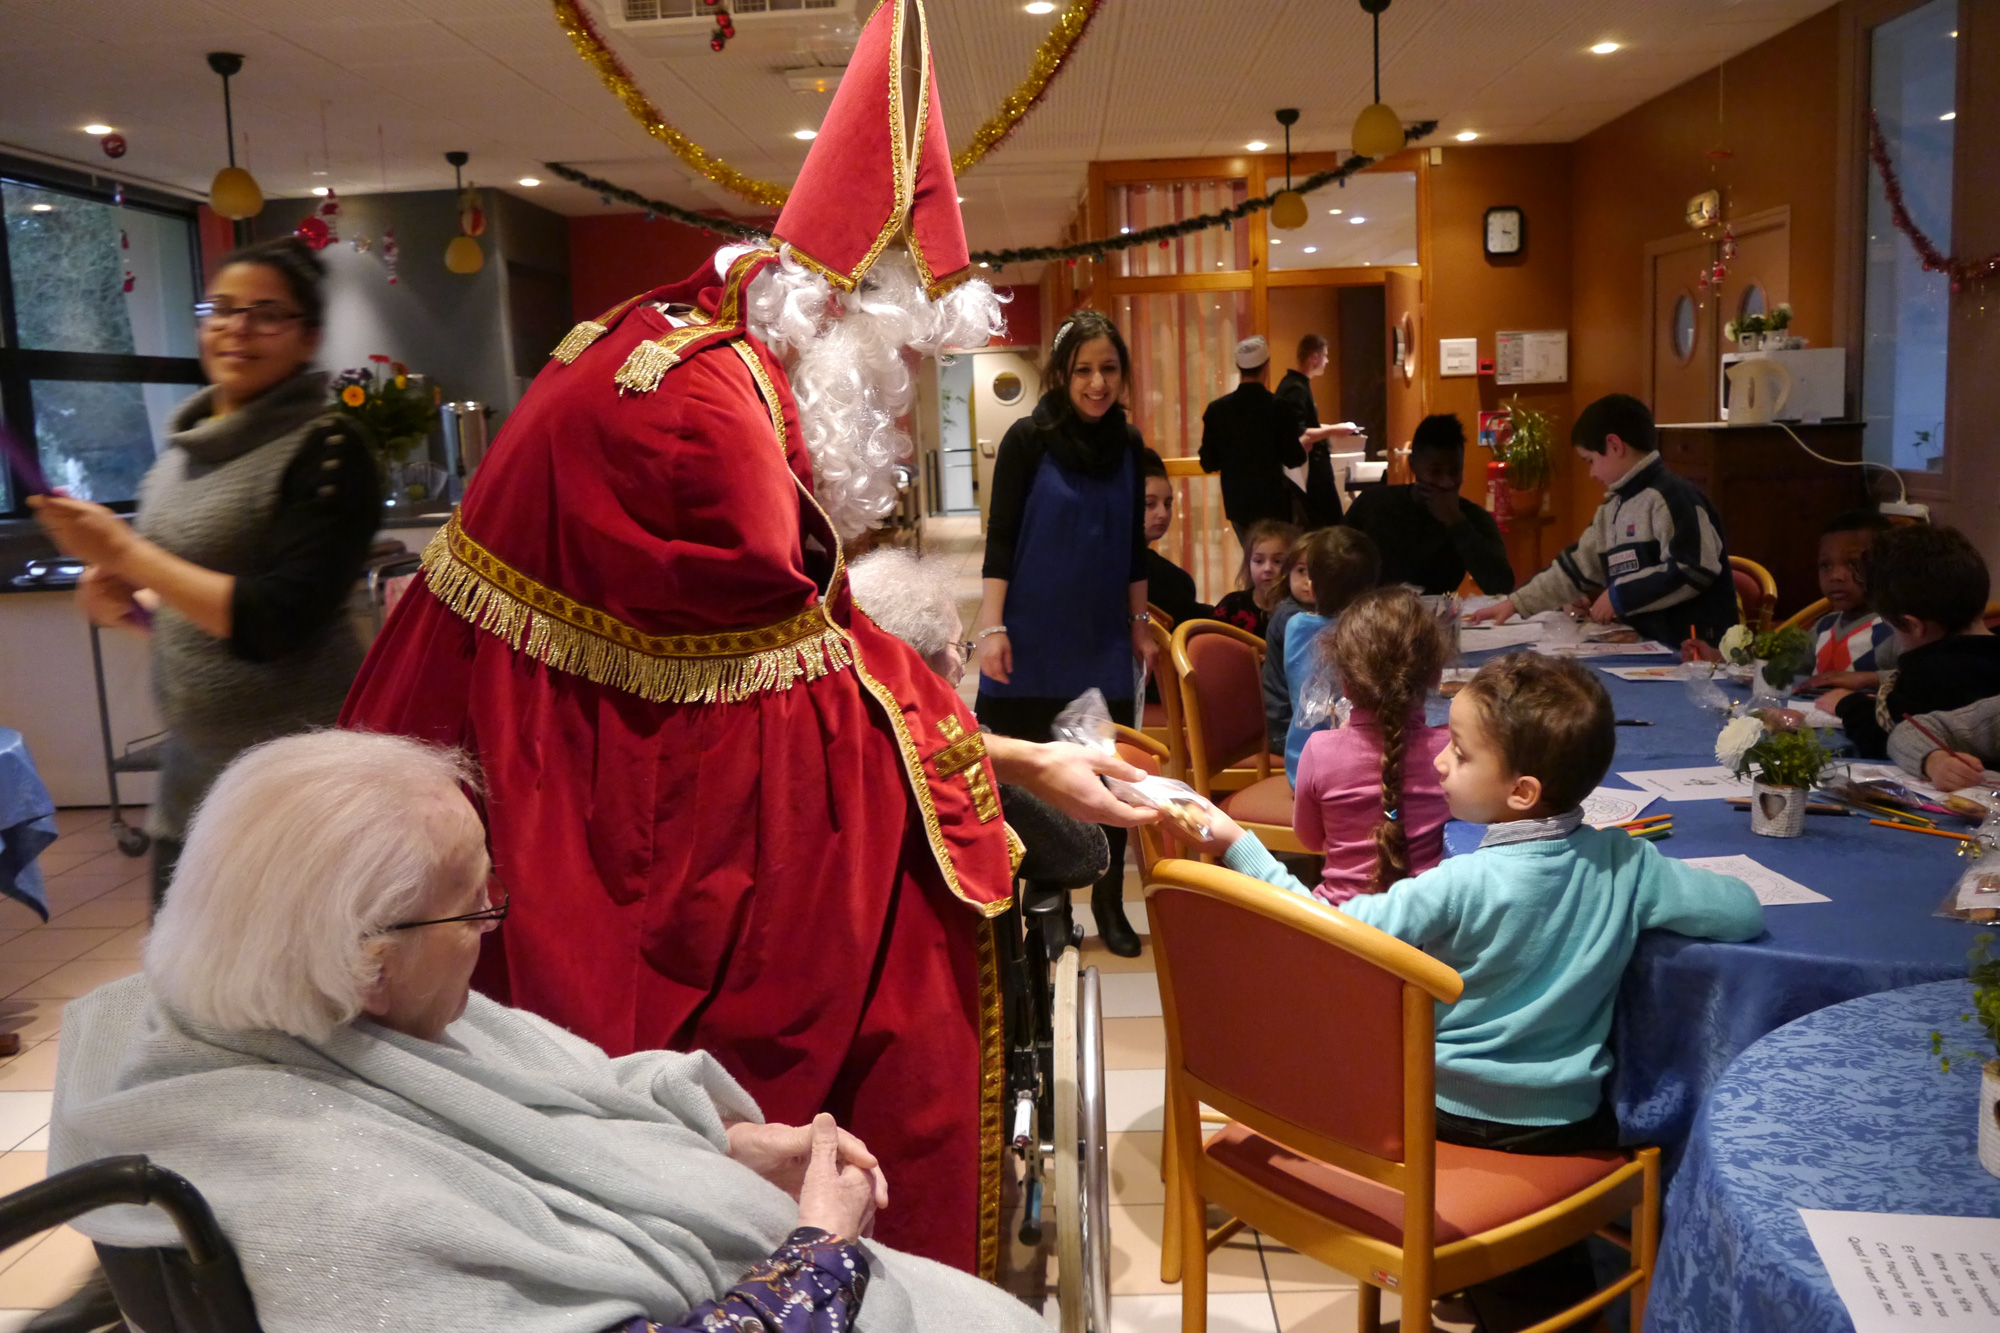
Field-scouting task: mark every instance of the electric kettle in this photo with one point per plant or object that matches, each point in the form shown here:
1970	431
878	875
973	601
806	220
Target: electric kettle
1758	388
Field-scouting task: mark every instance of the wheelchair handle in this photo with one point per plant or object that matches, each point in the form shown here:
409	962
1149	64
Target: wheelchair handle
113	1180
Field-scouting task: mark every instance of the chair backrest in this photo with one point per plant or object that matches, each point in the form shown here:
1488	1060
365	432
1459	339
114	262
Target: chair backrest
1232	953
1222	699
1169	682
1756	591
1160	618
1808	615
1156	841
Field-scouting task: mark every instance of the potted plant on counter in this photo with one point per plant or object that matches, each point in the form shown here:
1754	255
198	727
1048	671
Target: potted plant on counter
1775	657
400	411
1787	760
1747	332
1985	977
1527	450
1775	325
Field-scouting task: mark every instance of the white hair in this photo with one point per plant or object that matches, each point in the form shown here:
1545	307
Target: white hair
909	597
843	352
304	849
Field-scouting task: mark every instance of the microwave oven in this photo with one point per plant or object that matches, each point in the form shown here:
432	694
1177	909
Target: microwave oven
1819	382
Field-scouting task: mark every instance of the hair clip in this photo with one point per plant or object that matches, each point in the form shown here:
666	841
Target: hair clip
1392	814
1063	332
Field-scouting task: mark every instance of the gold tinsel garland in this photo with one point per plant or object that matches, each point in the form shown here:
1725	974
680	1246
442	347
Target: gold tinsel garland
1049	57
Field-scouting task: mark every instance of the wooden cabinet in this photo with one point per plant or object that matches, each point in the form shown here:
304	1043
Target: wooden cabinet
1773	496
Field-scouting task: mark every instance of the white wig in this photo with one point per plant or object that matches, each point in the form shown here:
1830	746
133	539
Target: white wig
303	849
844	354
909	597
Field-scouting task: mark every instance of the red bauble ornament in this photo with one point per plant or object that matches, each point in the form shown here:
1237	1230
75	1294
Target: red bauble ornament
129	280
113	145
313	232
715	43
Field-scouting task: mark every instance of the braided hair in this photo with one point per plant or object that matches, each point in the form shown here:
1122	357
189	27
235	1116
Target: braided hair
1389	649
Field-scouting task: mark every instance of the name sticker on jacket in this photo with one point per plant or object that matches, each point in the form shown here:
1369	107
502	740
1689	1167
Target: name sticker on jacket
1621	563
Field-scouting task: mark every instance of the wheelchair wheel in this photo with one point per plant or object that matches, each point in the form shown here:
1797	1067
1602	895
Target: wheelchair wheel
1082	1169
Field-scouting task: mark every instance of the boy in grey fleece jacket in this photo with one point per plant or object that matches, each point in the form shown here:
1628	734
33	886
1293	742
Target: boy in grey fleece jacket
1653	556
1972	732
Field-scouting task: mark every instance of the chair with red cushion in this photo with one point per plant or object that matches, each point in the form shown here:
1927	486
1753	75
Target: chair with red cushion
1756	592
1221	670
1330	1146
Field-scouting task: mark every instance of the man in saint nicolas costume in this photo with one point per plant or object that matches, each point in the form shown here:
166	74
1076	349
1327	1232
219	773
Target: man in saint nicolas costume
733	813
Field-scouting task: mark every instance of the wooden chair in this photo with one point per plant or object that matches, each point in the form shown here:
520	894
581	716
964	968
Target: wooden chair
1222	711
1756	592
1155	842
1163	719
1806	617
1331	1148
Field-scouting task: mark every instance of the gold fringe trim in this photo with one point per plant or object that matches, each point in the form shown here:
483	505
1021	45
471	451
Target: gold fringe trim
578	340
648	364
567	636
651	360
992	1099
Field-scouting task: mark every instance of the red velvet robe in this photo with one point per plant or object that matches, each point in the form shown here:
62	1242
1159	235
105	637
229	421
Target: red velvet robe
788	860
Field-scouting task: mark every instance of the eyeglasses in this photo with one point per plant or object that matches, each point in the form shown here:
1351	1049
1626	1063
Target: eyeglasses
968	649
497	912
263	317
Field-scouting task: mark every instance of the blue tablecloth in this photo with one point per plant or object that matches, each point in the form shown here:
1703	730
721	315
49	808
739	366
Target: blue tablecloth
1843	1109
27	823
1689	1007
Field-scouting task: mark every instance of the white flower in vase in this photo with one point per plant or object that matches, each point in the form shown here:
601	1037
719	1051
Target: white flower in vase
1735	644
1738	738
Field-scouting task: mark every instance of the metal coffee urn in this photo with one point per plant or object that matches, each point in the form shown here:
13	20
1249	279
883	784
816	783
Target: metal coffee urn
464	442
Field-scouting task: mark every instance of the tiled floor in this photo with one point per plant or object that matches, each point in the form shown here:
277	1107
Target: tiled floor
97	926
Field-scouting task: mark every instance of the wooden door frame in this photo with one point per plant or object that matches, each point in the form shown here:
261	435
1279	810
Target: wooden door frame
1764	219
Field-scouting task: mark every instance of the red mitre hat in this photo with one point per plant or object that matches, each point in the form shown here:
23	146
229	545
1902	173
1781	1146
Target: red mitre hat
867	177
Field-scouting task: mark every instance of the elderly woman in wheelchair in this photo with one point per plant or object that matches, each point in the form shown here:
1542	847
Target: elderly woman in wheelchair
386	1149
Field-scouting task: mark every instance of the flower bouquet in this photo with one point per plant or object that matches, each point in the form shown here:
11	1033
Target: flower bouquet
1985	977
1777	656
399	410
1786	759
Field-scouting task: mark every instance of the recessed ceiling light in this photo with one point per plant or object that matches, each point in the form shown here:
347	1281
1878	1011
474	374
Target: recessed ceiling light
320	190
41	208
1467	136
1952	33
961	199
1124	231
1949	115
984	264
1334	211
1367	263
1256	145
1603	48
531	181
805	134
1040	7
1218	263
97	129
1357	221
1312	249
1277	240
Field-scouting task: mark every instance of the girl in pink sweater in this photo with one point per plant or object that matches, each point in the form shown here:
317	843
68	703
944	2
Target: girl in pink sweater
1367	792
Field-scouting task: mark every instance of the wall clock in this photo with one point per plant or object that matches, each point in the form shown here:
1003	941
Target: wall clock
1506	231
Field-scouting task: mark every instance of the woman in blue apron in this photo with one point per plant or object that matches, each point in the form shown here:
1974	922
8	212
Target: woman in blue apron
1064	602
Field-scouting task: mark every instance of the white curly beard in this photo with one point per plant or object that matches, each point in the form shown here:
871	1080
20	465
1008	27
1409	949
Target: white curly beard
844	354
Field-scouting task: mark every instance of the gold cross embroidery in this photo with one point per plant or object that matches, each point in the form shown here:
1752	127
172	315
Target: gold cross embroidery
963	756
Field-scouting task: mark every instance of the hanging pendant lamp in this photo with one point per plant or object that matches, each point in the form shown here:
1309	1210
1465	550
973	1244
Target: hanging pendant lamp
464	254
1288	209
233	193
1378	131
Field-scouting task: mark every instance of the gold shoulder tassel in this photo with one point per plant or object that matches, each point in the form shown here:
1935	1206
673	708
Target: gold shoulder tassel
576	340
1017	851
643	370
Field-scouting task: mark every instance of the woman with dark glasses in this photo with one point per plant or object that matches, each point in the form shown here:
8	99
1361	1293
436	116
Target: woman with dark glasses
252	528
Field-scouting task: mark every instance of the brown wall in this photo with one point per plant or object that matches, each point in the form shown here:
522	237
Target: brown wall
1295	312
1468	295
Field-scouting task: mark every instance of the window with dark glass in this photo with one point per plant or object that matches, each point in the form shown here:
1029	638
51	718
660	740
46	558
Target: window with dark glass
97	338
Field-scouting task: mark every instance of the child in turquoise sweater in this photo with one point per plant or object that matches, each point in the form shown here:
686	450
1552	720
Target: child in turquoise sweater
1541	920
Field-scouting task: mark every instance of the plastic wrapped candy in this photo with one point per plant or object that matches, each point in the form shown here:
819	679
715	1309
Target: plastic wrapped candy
1087	722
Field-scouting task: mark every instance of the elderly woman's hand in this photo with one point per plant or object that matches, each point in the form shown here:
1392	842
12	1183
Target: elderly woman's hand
837	1197
1066	776
782	1154
90	532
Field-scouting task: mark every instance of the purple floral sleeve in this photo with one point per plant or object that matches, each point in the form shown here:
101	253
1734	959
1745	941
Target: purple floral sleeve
813	1284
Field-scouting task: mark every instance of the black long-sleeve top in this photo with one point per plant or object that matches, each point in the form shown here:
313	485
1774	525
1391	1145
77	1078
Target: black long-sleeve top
1950	673
1251	437
329	507
1031	439
1418	549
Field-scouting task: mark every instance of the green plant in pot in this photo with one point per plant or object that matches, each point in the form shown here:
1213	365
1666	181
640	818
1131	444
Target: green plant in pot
1984	973
1527	450
1783	759
400	410
1781	655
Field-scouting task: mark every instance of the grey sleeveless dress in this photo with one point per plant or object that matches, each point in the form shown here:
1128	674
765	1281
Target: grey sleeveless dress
211	498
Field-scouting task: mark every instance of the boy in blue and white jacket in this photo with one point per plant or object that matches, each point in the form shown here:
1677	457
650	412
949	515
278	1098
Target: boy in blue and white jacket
1541	920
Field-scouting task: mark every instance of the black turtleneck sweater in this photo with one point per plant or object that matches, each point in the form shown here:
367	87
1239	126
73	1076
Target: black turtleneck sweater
1093	448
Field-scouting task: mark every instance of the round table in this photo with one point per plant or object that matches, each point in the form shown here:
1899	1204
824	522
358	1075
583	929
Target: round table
1689	1007
1844	1109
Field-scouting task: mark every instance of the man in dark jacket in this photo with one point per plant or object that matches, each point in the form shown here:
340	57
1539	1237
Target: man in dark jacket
1322	491
1251	438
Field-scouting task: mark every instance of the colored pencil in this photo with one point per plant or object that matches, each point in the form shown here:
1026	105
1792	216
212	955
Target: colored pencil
1918	828
1651	834
1647	819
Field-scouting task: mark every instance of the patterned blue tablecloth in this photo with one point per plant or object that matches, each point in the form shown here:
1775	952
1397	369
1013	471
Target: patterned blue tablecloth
1843	1109
1689	1007
27	823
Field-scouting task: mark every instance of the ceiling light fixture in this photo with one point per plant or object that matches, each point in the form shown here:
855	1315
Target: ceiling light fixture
1256	145
1378	131
41	208
1288	208
530	181
1312	249
233	193
1949	115
97	129
1357	221
464	254
320	190
1603	48
1334	212
1040	7
805	135
1277	240
1467	136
